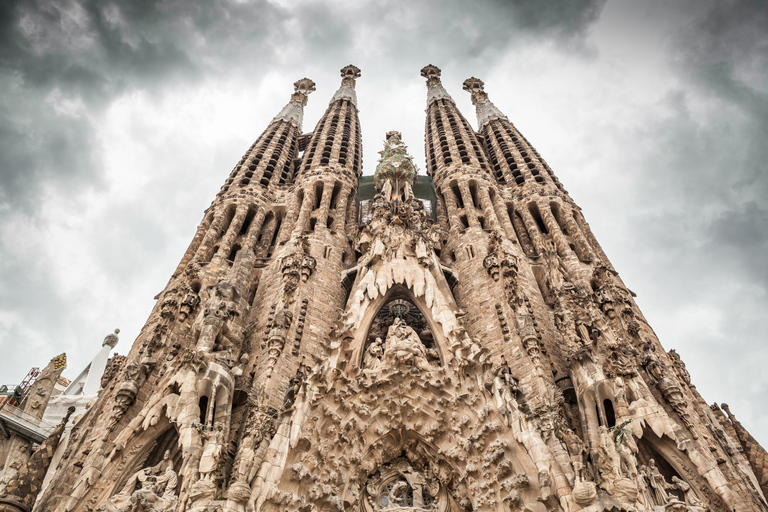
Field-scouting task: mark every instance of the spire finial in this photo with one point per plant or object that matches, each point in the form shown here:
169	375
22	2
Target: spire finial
431	73
395	164
349	74
293	112
347	90
435	90
485	109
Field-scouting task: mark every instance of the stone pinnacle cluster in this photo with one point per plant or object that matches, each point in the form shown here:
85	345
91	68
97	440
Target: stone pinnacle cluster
452	342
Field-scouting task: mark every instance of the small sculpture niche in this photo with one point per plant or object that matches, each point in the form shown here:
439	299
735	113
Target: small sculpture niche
399	318
156	485
402	486
659	483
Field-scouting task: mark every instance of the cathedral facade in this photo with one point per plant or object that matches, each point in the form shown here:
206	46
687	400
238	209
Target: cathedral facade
451	342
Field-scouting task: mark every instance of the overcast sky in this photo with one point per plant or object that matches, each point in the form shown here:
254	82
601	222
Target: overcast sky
119	121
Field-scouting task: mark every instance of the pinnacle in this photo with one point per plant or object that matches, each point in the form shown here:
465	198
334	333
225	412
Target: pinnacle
304	86
473	85
431	71
350	71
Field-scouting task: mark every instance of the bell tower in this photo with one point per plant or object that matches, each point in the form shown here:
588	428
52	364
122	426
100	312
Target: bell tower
456	342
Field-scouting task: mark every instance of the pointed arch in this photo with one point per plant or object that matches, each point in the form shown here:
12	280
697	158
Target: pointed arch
147	450
360	335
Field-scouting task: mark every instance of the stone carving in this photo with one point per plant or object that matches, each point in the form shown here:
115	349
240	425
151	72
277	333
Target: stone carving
211	460
372	358
278	331
215	328
692	501
500	262
114	366
577	451
151	489
111	339
399	486
619	362
403	347
300	326
188	304
135	374
679	367
297	266
652	364
670	390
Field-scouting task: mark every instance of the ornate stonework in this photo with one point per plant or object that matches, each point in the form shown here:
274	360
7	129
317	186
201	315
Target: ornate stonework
454	343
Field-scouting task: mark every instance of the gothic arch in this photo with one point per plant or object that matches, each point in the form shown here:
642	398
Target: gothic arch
145	449
670	457
360	335
403	445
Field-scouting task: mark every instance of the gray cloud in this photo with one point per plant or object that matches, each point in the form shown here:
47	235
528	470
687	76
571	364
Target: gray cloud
111	145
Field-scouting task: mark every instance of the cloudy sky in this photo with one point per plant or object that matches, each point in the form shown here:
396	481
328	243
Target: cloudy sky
120	120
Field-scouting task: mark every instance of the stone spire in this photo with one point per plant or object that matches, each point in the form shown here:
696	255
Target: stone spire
347	90
293	112
435	90
486	110
21	492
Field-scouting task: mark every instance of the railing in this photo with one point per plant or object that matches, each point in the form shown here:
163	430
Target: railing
24	424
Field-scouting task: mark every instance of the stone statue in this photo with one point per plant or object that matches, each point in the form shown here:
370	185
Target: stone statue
188	304
577	451
372	358
506	388
111	339
691	500
657	483
212	453
403	346
650	361
214	325
149	489
415	481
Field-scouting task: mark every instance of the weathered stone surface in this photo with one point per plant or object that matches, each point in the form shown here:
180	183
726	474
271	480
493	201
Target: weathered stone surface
476	352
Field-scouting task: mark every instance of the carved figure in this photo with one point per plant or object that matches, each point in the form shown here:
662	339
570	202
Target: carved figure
212	453
577	451
506	389
214	327
650	361
415	481
188	304
111	339
691	500
657	483
373	354
150	489
403	346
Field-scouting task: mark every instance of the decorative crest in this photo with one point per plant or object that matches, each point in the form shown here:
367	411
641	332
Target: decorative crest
349	74
347	90
485	109
431	73
293	112
111	339
435	90
305	86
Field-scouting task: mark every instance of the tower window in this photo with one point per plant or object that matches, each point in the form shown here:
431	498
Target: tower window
534	209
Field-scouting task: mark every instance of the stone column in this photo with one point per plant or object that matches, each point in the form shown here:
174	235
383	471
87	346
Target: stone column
325	204
488	207
302	223
469	207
